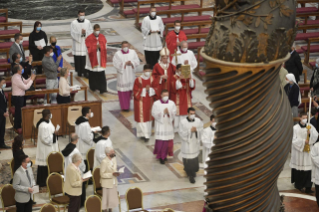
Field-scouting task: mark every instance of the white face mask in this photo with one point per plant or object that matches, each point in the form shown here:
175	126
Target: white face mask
51	116
304	121
21	41
164	98
153	14
28	164
214	124
82	17
184	49
96	32
91	115
51	54
177	28
125	49
192	117
147	74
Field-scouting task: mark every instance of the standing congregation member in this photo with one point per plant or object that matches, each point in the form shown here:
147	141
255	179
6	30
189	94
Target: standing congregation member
313	119
294	65
56	50
164	111
37	41
174	38
19	86
144	95
96	60
23	181
314	82
80	29
125	61
64	87
108	172
17	47
190	131
181	94
17	151
208	138
50	69
73	183
101	143
300	162
315	168
186	57
164	71
47	143
152	30
27	66
3	113
293	93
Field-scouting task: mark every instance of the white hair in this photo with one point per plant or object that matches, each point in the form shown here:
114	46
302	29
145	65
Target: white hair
108	149
76	157
183	42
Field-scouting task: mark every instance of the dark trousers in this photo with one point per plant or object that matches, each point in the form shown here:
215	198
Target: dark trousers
317	193
63	99
38	56
24	207
97	81
19	102
75	203
79	63
2	130
152	57
191	166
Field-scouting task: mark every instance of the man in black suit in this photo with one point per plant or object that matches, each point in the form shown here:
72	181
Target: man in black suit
3	114
294	65
17	59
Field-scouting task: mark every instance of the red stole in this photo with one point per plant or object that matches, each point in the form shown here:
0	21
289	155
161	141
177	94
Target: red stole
171	41
91	43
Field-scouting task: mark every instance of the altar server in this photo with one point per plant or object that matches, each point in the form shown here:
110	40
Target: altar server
152	30
181	94
185	57
47	143
315	168
164	71
190	131
300	162
80	29
96	59
101	143
208	138
144	95
126	62
174	38
164	111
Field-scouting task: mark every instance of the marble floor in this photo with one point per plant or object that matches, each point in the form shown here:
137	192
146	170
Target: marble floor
164	186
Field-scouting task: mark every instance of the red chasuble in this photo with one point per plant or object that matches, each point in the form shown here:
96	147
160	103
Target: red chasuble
143	105
91	43
183	96
158	71
171	43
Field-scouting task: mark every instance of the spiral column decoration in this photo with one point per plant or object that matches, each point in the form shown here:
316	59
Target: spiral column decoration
244	51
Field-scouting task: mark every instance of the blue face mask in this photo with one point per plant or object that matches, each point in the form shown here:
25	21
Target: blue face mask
20	59
29	165
317	65
22	71
38	28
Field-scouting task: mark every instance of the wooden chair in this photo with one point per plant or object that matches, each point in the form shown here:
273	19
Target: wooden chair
37	115
55	187
134	199
9	127
55	162
7	198
90	160
168	210
74	112
48	208
93	204
12	167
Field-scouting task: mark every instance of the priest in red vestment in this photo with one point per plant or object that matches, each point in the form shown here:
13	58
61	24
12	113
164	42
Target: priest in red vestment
144	91
174	38
181	95
163	72
96	60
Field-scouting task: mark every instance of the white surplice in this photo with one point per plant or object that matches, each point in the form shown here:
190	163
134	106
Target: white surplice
88	65
125	75
78	45
315	163
86	136
190	141
164	129
152	41
68	160
189	55
301	160
208	141
99	153
45	143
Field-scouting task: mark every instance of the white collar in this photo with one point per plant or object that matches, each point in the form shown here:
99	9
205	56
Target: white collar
24	169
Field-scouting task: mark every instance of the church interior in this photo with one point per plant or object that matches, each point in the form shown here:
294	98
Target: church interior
163	186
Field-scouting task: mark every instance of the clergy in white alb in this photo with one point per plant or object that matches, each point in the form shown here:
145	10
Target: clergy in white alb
152	29
208	138
80	29
190	131
164	111
47	143
126	62
185	57
300	162
102	142
96	60
315	168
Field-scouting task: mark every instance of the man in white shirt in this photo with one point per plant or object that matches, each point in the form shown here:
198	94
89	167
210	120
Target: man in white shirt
80	29
186	57
190	131
208	138
101	143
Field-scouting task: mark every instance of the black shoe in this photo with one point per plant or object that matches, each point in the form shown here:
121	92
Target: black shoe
146	140
192	179
301	190
309	191
165	159
162	161
5	147
34	203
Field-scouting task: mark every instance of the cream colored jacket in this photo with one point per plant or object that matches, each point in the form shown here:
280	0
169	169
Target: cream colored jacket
73	181
107	168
